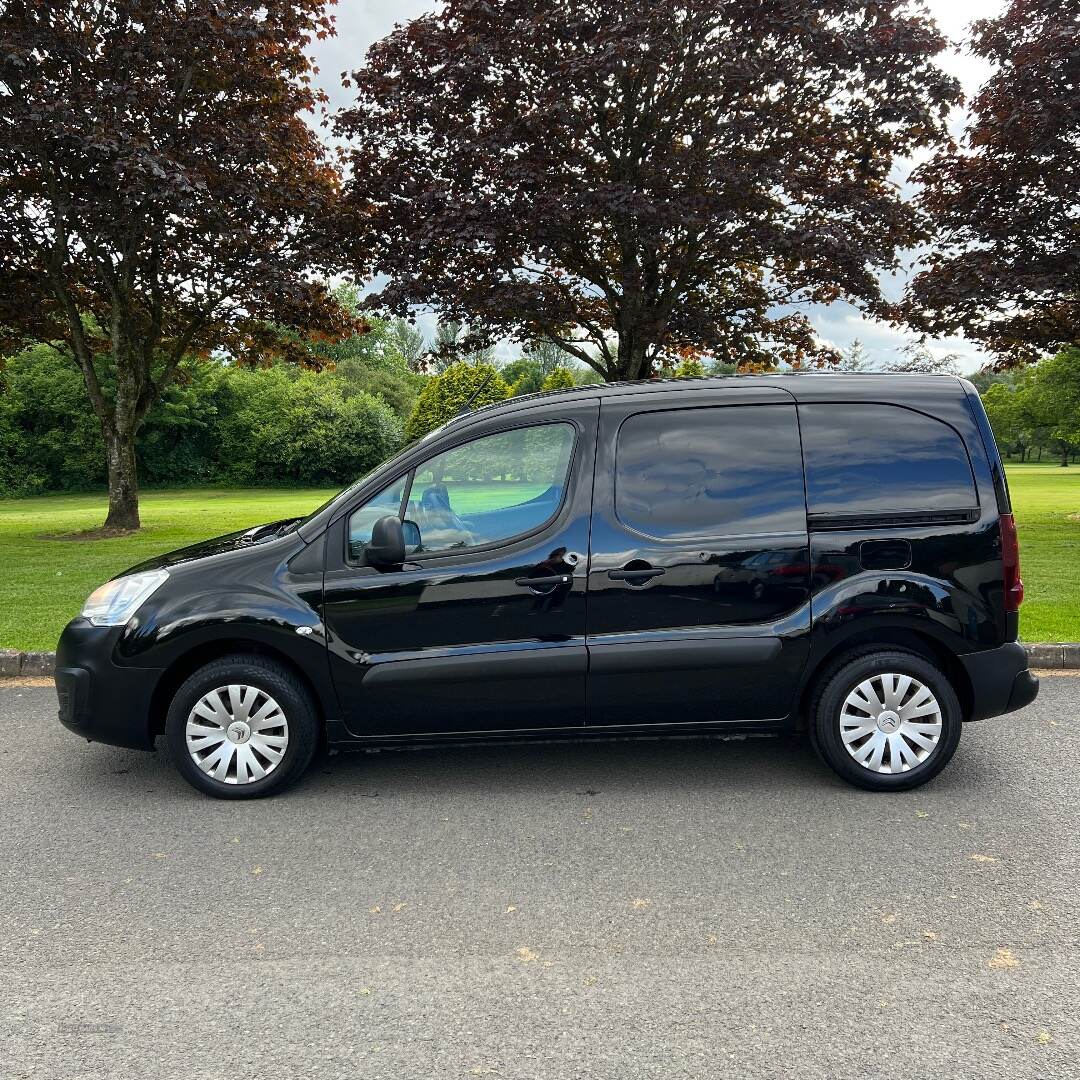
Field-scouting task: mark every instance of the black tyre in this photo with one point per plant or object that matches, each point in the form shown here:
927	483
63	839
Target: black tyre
885	720
242	727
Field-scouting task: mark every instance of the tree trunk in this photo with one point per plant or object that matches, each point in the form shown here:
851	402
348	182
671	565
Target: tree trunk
120	424
1065	458
123	479
633	362
133	348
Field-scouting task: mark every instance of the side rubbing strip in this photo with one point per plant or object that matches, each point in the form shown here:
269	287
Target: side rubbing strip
681	654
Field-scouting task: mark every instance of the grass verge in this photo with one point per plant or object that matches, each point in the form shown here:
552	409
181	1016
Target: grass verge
1046	503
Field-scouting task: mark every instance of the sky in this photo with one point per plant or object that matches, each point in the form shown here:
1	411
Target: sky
361	22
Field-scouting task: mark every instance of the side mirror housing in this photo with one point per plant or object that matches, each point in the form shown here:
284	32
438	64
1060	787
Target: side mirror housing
387	545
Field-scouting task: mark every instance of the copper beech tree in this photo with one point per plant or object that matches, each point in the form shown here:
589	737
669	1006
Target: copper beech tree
161	194
631	180
1006	203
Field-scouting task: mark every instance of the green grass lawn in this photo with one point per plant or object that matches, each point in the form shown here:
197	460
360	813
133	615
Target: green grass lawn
1044	497
45	581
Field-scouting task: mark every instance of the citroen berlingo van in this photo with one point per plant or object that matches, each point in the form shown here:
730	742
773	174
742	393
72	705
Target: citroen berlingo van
818	553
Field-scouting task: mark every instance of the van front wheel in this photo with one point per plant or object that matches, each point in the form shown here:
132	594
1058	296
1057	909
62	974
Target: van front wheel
887	720
241	727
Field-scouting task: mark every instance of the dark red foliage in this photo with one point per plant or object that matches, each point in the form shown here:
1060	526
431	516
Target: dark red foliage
1007	202
160	192
660	175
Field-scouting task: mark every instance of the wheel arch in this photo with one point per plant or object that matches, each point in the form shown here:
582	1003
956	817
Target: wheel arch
206	652
883	637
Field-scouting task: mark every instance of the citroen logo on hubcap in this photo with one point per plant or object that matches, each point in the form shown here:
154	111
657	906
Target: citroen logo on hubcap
888	722
238	732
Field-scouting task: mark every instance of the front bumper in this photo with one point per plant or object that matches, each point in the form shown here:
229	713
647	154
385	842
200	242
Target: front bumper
100	700
1000	680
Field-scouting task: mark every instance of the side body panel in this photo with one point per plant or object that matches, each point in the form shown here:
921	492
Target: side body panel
228	595
720	635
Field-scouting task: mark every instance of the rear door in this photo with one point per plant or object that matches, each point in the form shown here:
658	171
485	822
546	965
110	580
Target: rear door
699	575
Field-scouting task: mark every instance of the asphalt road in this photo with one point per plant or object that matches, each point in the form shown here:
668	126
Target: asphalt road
600	911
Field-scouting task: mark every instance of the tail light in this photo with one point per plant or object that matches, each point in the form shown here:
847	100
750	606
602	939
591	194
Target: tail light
1010	564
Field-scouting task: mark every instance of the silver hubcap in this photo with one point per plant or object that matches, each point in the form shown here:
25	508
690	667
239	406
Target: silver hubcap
237	734
890	723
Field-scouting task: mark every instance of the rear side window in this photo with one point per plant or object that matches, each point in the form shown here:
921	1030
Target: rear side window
721	471
867	458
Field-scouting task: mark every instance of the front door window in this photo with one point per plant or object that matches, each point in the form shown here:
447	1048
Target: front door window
487	491
482	628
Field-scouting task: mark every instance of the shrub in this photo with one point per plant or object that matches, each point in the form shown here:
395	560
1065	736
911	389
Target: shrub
524	375
49	438
216	423
178	440
560	379
393	382
282	426
446	394
19	473
690	368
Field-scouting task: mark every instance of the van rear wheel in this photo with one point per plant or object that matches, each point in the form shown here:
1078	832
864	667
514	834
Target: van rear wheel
241	727
887	720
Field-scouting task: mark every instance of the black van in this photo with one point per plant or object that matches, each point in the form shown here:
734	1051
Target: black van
832	554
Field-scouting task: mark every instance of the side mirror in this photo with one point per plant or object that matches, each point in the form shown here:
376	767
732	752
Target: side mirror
387	545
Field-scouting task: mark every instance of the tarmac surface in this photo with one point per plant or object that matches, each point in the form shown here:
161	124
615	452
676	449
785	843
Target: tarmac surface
605	911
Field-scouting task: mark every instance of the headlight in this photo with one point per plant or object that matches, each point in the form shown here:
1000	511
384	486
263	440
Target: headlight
117	600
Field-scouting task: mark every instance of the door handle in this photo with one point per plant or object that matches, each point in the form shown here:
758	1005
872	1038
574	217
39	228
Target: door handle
636	577
543	582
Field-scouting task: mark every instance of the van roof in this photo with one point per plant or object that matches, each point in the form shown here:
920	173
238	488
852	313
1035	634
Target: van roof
802	386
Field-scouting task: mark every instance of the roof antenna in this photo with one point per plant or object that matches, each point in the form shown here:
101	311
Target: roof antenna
467	407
